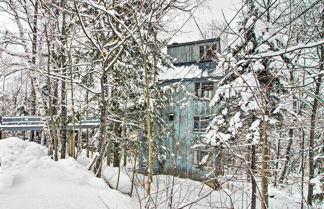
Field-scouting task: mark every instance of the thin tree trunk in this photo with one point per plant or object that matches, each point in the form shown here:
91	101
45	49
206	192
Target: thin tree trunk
118	178
264	166
63	66
125	157
149	136
71	143
87	115
265	146
103	123
133	176
264	135
254	183
33	60
312	130
72	103
291	135
63	132
287	154
278	157
118	134
53	132
33	109
302	169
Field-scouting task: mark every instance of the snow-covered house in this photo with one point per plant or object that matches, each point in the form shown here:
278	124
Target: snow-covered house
189	115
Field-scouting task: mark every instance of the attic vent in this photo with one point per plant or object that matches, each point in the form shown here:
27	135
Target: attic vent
171	117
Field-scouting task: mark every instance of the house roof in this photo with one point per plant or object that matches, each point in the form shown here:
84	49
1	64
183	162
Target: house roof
193	42
190	67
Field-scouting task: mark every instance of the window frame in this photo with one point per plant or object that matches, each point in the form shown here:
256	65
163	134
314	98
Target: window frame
198	155
204	89
207	52
202	122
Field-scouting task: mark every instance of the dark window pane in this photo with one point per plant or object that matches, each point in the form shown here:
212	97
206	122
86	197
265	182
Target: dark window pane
197	88
204	123
201	52
207	86
196	123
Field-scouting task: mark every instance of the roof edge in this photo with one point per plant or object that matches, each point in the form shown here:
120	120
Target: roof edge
193	42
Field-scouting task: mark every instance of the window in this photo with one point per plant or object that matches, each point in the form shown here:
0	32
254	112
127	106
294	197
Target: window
202	158
204	89
201	123
207	53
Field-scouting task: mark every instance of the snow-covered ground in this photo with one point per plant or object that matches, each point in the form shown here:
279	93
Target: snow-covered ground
29	179
195	195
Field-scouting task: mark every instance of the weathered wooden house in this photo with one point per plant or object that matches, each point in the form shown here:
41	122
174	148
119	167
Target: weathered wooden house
190	113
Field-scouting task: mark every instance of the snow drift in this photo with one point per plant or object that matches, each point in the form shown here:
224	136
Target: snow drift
30	179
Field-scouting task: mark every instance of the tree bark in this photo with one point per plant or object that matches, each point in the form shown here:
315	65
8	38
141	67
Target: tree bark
33	60
264	165
103	123
118	134
148	120
63	66
312	130
254	183
53	132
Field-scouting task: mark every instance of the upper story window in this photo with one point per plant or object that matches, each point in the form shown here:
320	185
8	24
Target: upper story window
201	123
207	52
204	89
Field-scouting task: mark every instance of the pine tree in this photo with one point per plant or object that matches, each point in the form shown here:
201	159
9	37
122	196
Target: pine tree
247	97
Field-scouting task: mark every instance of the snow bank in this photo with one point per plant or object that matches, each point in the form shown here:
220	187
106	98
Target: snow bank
30	179
110	174
193	194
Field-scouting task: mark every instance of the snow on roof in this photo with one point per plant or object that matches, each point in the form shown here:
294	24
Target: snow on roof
183	72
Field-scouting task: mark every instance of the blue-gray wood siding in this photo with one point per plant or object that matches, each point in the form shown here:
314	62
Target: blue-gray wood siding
183	54
182	139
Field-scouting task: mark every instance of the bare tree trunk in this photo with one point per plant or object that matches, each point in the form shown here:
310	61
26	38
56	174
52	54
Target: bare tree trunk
291	135
63	65
313	127
302	169
264	165
34	53
254	183
133	175
118	134
149	136
72	103
103	124
277	158
108	153
264	135
33	108
53	132
63	132
71	144
87	115
287	154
